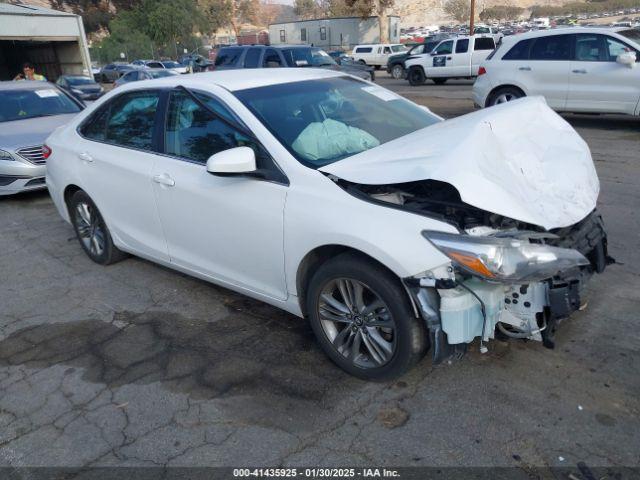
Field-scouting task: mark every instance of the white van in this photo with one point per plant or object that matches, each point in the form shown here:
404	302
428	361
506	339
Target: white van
376	55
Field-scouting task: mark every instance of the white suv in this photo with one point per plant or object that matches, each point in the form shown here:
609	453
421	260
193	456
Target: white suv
376	55
576	69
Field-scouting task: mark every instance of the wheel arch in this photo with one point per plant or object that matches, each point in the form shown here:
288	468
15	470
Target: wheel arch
316	257
68	193
500	87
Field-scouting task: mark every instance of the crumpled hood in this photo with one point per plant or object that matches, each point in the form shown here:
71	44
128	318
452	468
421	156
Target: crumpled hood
29	132
519	159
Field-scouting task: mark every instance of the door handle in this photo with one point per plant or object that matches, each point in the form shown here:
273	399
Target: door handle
579	71
164	179
85	157
525	69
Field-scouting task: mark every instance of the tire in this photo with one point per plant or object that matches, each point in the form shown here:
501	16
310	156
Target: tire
397	71
92	232
439	81
503	95
380	345
416	76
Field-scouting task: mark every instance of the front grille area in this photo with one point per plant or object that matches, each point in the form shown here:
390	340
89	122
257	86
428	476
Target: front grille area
33	154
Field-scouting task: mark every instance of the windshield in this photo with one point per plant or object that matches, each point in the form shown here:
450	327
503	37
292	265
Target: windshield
303	57
23	104
323	121
171	64
633	34
80	80
161	73
398	48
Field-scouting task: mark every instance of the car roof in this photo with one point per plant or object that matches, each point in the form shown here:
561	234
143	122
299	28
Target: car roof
562	31
24	85
234	80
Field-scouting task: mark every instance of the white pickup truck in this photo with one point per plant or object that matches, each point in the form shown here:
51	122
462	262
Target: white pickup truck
453	58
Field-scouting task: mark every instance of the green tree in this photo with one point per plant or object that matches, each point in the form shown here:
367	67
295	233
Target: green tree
306	9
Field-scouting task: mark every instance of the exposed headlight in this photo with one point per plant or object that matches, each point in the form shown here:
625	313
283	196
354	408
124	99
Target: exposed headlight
6	155
505	260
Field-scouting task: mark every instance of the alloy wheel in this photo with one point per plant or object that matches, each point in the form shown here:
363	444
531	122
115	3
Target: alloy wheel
397	71
504	98
90	229
357	322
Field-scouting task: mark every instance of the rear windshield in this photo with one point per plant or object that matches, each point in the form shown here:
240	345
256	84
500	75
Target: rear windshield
307	57
171	64
633	34
43	102
228	56
484	43
80	80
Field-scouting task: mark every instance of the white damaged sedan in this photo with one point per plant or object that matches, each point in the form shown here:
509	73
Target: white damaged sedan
391	230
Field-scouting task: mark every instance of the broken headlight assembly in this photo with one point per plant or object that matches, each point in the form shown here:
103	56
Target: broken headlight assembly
505	260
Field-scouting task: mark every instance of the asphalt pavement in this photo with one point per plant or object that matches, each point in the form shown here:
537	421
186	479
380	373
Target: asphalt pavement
137	365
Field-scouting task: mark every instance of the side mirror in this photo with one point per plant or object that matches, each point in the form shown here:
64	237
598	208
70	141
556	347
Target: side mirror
235	161
627	58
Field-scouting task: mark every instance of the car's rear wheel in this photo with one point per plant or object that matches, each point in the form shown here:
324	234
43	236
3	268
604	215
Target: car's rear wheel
91	230
362	62
363	320
504	95
439	81
416	76
397	71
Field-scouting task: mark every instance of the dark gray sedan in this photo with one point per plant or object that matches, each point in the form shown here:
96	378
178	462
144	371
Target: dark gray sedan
113	71
144	74
82	87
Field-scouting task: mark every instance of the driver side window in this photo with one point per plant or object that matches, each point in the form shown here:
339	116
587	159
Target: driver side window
194	133
444	48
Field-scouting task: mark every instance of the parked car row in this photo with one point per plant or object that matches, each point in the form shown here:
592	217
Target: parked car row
340	201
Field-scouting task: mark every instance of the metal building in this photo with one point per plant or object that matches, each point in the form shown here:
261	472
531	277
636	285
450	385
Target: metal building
333	33
53	41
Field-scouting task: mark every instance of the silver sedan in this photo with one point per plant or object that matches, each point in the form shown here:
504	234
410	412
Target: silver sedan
29	112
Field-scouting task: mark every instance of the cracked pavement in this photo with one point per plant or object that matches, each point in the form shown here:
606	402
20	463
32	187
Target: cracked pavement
137	365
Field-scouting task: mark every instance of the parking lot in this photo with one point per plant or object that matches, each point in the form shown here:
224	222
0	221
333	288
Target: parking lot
137	365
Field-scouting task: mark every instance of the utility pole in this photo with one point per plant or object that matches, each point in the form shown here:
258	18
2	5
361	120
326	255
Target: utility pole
473	15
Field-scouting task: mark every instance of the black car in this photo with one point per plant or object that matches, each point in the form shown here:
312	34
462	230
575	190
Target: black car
274	56
84	88
395	63
113	71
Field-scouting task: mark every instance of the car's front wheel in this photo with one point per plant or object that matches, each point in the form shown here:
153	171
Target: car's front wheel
504	95
397	72
363	319
416	76
91	230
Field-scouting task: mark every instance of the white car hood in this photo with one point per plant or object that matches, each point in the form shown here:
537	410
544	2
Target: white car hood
519	159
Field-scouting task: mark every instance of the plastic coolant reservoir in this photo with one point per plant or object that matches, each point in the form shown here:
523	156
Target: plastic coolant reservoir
460	311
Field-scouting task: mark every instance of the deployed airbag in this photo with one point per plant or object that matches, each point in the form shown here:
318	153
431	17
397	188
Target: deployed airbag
332	139
519	159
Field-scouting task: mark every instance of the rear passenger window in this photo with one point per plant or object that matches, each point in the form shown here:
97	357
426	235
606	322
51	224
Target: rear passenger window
132	120
95	127
462	45
553	47
364	50
484	43
520	51
252	58
228	56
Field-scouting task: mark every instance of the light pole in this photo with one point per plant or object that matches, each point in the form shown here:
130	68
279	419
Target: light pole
473	14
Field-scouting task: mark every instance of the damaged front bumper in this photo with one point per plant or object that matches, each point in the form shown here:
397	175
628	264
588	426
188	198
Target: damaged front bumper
458	307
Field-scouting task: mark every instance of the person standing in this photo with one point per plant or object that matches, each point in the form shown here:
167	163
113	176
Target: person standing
29	73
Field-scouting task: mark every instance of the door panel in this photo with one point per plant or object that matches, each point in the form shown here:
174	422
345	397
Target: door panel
597	82
118	178
229	228
547	70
